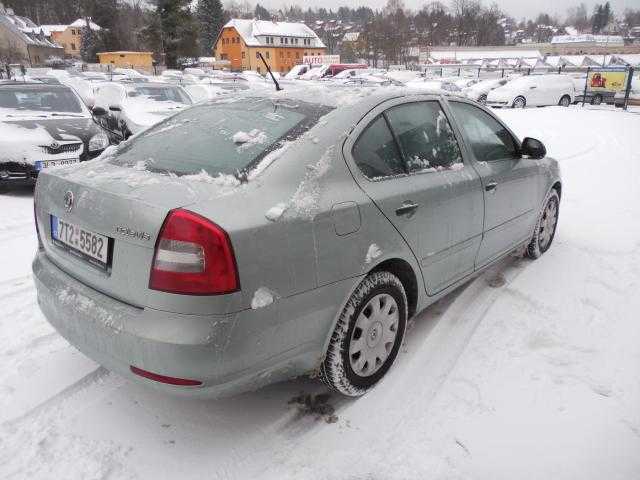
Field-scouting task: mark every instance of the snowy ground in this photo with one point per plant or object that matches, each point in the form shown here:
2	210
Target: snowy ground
530	371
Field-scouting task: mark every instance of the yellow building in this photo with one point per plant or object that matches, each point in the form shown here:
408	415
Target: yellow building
142	60
69	36
283	44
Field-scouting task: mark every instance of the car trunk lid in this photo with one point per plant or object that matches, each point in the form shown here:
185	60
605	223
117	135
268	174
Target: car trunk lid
126	205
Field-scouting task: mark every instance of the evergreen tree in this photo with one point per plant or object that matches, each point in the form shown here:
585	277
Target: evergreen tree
179	30
211	18
261	13
88	43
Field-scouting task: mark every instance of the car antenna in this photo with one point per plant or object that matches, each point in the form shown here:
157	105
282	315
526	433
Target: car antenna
278	87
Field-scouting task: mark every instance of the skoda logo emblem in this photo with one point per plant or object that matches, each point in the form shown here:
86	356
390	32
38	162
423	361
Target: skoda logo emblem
68	200
54	145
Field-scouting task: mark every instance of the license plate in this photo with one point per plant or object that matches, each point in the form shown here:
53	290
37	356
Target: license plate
84	243
42	164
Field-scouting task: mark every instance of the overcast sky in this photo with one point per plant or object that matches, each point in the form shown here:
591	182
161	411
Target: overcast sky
515	8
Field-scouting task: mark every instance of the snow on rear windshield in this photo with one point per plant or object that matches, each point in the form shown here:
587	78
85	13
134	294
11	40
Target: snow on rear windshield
40	99
220	138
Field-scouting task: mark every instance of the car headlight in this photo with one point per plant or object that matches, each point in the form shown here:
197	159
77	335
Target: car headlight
98	142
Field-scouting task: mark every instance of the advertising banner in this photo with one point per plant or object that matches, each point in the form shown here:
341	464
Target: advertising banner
320	59
607	80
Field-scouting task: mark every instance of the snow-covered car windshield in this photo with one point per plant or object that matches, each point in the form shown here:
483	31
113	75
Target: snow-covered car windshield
220	137
160	94
40	99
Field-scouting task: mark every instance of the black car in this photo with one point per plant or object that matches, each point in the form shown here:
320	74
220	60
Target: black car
42	126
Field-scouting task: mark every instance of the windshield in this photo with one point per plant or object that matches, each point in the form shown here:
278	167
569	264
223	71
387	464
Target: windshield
160	94
220	138
61	100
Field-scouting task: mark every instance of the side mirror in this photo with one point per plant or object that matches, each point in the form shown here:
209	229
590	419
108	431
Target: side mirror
98	111
533	148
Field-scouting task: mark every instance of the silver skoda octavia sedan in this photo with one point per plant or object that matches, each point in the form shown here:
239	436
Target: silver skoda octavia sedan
247	241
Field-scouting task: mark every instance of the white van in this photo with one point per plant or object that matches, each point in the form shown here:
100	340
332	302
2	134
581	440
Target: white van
534	91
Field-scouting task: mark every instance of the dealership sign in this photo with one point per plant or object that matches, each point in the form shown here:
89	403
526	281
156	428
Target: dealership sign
320	59
607	80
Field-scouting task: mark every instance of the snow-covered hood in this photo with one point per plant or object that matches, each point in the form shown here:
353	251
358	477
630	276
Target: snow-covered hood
22	141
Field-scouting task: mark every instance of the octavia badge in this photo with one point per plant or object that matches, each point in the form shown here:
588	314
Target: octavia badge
54	145
68	200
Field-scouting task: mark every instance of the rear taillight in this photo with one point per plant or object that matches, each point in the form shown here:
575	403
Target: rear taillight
193	256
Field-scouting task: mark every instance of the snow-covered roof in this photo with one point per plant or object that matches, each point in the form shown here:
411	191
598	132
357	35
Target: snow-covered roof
251	30
588	38
124	52
21	27
483	54
632	59
351	37
81	22
48	29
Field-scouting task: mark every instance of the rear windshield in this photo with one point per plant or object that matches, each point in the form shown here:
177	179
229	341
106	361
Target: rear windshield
220	138
41	99
160	94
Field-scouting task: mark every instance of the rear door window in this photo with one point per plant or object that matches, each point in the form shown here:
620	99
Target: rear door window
487	137
376	153
425	136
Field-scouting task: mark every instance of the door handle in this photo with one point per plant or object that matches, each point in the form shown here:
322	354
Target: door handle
491	186
407	208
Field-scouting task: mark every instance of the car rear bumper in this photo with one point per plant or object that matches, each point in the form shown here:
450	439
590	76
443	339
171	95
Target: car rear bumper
224	352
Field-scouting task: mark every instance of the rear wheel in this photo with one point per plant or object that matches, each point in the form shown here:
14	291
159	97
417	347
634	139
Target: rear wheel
565	101
368	335
483	99
519	102
546	226
596	100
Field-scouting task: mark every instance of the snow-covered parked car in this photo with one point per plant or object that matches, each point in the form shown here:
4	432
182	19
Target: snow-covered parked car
130	108
534	91
43	126
258	238
200	92
480	90
433	85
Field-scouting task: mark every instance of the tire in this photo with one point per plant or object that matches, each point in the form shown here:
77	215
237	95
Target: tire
545	229
364	333
483	99
596	100
565	101
519	102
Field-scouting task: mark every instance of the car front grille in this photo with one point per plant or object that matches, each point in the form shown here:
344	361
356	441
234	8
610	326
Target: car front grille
64	148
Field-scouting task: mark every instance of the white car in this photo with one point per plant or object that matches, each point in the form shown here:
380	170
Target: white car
297	70
131	108
534	91
480	90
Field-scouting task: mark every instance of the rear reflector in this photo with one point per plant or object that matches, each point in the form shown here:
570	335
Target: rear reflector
181	382
193	256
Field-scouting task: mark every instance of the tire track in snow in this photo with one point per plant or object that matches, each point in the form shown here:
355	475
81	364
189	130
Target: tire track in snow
438	339
62	397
